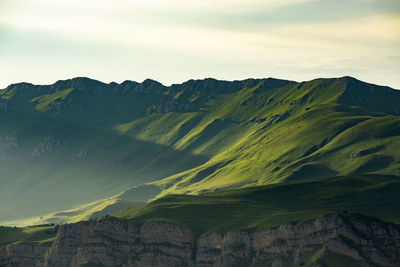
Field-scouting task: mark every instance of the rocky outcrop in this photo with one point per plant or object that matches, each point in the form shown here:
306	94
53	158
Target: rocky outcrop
172	106
23	255
354	239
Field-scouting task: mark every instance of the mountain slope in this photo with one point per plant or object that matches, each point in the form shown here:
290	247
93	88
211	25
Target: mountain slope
79	141
300	132
272	205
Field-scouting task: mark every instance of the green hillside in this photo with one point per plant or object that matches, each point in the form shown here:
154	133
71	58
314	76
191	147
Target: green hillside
81	148
254	207
35	234
302	132
271	205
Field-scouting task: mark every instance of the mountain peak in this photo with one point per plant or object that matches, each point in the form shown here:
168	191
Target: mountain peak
79	83
149	81
369	96
21	85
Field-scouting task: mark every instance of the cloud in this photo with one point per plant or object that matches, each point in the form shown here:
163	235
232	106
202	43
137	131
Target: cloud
178	39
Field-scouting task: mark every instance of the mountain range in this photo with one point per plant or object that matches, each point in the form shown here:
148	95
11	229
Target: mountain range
80	148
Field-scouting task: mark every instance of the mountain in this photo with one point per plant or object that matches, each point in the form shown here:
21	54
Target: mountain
81	148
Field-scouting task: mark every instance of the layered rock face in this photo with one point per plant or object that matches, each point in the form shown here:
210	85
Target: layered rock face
352	239
23	255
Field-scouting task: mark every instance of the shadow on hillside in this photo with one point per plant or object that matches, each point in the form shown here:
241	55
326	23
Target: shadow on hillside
86	165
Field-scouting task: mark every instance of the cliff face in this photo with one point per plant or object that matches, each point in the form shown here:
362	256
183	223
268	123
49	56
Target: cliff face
23	254
349	239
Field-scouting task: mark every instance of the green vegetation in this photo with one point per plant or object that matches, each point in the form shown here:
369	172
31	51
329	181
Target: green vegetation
36	234
325	257
271	205
76	145
50	101
299	134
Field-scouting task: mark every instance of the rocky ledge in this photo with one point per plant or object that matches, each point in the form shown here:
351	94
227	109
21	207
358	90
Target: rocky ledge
348	238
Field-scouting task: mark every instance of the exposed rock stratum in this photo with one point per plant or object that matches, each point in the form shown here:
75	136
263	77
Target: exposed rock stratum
352	238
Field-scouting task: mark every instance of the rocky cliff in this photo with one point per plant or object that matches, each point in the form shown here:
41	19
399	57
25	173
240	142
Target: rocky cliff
352	240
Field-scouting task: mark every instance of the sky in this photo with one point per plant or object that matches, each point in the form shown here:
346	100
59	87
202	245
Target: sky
42	41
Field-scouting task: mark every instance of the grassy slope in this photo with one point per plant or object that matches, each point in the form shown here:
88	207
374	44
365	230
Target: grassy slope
301	133
272	205
256	207
65	156
60	144
37	234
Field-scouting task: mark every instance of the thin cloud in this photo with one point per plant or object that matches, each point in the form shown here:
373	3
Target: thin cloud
175	40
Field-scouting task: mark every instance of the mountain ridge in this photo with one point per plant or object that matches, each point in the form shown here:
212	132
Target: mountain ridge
96	140
210	82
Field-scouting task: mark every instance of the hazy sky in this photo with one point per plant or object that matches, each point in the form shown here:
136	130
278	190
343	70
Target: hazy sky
171	41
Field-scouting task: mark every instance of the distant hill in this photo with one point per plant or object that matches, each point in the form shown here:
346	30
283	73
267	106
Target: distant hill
81	141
